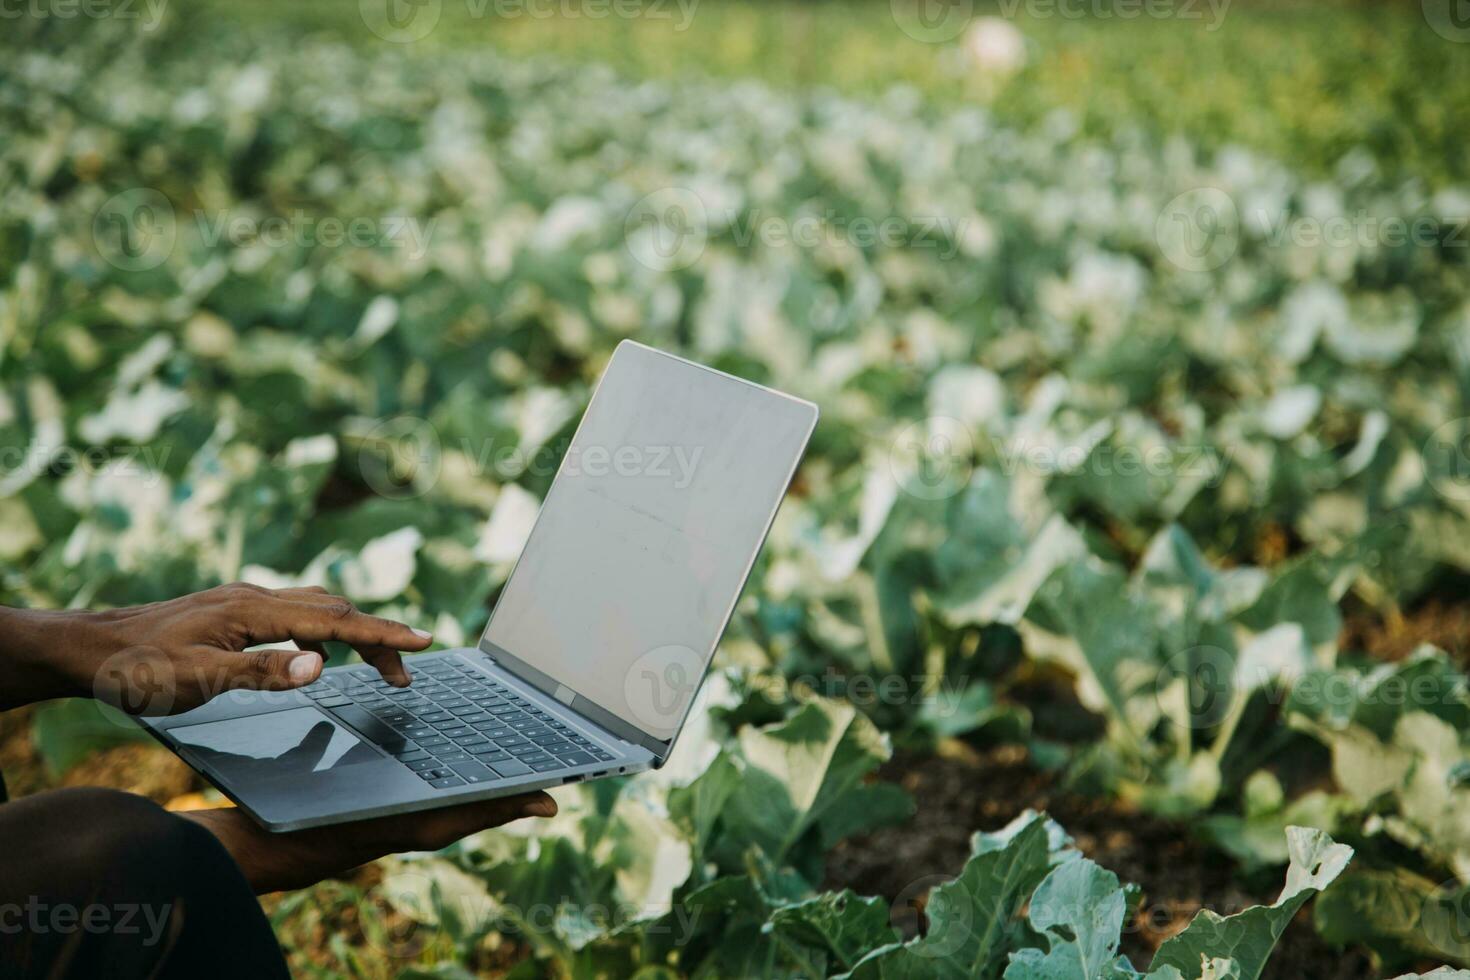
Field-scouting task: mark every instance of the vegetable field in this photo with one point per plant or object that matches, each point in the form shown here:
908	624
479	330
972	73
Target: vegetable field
1141	491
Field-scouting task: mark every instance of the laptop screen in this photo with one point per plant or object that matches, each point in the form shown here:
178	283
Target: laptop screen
647	534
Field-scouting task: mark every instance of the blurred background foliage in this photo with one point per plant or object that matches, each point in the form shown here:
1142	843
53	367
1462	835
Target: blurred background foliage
1113	512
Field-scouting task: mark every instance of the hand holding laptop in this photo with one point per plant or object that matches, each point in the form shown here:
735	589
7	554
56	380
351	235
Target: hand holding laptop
275	862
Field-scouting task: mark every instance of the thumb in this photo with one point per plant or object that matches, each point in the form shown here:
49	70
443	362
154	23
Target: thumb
275	670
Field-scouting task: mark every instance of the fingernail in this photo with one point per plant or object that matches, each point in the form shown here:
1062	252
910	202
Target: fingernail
421	634
304	668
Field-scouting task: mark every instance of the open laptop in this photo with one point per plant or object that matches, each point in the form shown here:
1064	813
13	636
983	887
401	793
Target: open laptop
593	654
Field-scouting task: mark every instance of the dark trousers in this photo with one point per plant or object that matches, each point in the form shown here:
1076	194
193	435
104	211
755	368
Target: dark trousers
96	883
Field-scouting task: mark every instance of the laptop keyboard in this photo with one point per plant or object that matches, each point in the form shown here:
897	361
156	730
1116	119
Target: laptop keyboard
454	726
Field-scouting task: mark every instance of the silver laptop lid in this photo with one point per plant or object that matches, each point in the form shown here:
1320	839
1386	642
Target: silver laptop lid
645	539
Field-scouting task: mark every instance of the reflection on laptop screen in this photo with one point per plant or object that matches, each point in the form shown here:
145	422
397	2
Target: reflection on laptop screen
646	536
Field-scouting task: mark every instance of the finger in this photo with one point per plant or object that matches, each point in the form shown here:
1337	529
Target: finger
387	661
440	828
270	670
277	618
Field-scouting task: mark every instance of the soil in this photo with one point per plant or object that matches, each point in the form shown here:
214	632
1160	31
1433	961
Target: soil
959	794
1445	623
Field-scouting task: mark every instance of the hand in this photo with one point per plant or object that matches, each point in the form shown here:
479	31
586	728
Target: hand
171	656
274	862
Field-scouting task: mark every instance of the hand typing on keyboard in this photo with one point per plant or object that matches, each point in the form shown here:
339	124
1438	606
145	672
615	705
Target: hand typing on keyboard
455	725
169	657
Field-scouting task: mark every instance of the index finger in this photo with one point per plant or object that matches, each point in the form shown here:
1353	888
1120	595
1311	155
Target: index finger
334	618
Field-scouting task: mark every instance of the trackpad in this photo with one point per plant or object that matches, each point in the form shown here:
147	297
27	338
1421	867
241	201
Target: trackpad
281	743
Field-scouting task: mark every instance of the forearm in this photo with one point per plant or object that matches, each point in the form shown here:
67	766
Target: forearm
40	651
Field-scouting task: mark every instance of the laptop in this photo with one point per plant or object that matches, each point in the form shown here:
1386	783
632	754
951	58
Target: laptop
595	650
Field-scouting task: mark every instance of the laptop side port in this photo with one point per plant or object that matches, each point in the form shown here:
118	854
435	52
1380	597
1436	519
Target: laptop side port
574	779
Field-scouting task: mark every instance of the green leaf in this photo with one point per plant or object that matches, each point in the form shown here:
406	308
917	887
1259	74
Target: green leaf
972	918
1080	909
1249	936
66	732
797	773
842	926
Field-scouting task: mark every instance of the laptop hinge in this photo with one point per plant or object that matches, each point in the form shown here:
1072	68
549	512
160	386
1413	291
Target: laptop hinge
592	713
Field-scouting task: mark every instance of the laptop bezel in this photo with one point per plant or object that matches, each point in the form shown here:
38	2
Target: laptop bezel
562	693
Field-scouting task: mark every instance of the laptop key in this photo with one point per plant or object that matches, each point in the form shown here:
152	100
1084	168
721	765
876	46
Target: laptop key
546	766
510	767
486	750
455	732
432	741
451	754
471	739
448	782
417	755
473	772
368	724
577	758
422	765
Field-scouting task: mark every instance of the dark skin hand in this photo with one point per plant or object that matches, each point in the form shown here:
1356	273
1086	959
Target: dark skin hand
273	862
168	657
